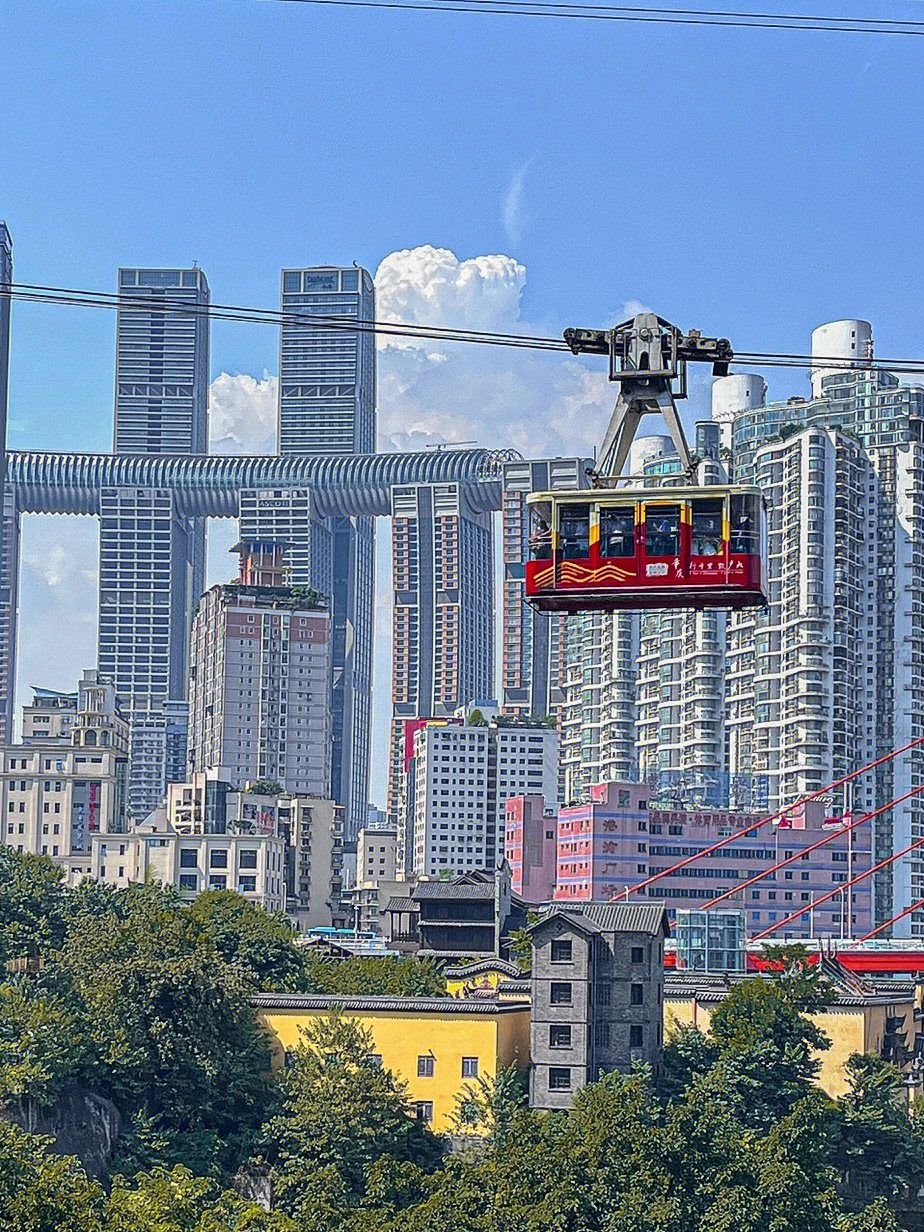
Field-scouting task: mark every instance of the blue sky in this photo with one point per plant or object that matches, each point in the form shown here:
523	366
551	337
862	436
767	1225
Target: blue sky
750	183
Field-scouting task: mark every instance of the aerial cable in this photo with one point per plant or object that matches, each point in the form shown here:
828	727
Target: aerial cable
731	838
797	855
899	915
845	885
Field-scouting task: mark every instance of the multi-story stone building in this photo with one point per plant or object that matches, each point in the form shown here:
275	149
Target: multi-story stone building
259	679
597	996
67	781
443	579
463	777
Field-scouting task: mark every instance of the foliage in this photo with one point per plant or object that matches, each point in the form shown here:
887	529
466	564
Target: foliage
487	1104
384	975
265	787
340	1111
44	1046
878	1147
32	905
42	1192
261	944
178	1201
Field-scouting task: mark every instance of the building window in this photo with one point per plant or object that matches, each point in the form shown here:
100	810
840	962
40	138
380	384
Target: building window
424	1111
637	954
218	881
187	857
425	1066
561	951
469	1067
248	858
637	994
218	857
559	1036
559	1078
602	1035
603	994
559	993
636	1036
188	881
246	885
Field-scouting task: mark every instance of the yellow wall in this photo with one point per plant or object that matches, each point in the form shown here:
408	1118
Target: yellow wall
849	1028
495	1039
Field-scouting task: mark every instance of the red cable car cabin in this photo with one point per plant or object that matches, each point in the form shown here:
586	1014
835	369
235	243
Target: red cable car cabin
606	550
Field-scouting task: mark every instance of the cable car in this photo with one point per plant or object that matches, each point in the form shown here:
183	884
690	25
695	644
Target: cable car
610	550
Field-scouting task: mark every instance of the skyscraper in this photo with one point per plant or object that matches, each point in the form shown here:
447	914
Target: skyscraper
152	557
327	406
442	568
9	522
259	680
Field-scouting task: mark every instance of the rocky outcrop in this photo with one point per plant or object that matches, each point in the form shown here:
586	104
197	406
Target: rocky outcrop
81	1123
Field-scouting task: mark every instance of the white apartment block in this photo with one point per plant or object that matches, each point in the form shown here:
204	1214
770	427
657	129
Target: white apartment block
463	778
376	857
259	697
250	864
67	782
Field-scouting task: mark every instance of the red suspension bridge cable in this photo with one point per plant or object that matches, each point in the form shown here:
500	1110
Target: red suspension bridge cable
797	855
899	915
794	915
731	838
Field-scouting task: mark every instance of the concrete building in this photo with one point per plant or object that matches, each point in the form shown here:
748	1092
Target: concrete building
617	840
443	579
530	847
439	1046
463	777
376	857
252	864
327	406
469	916
532	672
152	556
9	524
597	996
60	789
259	680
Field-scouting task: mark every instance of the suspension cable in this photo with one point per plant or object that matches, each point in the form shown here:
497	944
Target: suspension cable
797	855
899	915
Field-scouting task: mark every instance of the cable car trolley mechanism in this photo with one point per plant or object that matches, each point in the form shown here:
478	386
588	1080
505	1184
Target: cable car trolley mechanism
624	544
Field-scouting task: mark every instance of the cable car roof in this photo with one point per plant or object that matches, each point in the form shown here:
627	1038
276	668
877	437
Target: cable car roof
584	496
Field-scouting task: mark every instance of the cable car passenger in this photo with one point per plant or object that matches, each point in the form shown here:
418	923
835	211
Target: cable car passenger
662	530
706	518
574	532
744	532
540	534
617	531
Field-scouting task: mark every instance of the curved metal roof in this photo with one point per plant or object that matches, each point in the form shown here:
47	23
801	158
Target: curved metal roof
207	485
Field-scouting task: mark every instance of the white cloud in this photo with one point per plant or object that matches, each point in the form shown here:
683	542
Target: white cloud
512	204
242	413
536	401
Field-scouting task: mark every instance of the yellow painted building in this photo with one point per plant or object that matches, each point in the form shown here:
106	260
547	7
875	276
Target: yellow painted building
858	1022
437	1045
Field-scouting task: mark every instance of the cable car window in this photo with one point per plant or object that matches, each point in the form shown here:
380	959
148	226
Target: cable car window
662	530
744	536
706	527
574	531
540	533
617	531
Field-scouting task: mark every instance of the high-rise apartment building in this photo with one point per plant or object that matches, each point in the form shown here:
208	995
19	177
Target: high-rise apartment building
443	577
9	522
532	672
259	679
327	406
464	776
66	781
152	556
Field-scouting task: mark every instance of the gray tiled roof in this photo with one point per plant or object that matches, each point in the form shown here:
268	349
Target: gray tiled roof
483	964
397	903
680	984
449	890
639	917
419	1005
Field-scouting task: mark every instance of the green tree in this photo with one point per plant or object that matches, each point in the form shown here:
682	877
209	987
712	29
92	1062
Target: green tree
387	975
340	1110
265	787
879	1148
44	1042
43	1192
32	905
486	1106
177	1201
260	943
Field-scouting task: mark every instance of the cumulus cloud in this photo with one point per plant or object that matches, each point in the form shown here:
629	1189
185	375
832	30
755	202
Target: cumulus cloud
538	402
242	413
